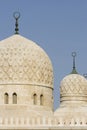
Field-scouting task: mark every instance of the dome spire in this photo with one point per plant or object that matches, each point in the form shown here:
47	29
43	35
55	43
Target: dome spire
16	15
74	68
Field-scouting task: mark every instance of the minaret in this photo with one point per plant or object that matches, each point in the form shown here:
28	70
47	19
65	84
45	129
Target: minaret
16	15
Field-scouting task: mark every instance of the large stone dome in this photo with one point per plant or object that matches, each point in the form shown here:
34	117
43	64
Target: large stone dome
23	62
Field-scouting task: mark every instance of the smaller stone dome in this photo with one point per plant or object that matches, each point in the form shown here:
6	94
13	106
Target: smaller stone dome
73	88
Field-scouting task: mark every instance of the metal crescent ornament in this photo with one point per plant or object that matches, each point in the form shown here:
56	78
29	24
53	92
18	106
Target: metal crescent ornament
16	15
73	54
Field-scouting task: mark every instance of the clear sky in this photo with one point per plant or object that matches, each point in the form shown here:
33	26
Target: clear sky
58	26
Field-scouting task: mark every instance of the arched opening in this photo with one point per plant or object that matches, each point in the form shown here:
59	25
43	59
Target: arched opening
35	99
14	96
41	99
6	98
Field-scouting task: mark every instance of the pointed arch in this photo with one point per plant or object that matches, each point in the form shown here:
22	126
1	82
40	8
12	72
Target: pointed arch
14	97
6	98
35	99
41	99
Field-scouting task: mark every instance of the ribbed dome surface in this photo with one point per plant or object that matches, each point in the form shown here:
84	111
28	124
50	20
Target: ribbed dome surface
24	62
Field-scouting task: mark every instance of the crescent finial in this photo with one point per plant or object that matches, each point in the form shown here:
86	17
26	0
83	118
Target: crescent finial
16	15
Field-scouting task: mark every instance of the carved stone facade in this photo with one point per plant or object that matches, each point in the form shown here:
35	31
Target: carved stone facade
26	90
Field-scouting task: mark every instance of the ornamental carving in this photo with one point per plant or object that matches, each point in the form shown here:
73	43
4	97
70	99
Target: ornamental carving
23	61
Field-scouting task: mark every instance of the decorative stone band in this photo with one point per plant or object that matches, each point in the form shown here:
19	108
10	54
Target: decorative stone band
41	122
12	84
74	99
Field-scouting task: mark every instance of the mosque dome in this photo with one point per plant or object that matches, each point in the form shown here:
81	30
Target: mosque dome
73	100
73	88
25	73
23	62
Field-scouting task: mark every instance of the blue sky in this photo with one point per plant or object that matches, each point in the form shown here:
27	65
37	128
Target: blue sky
58	26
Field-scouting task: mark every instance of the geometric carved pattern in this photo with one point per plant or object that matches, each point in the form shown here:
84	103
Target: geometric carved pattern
24	62
73	84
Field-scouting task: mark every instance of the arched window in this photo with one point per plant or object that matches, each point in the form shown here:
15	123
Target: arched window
35	99
41	99
14	96
6	98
